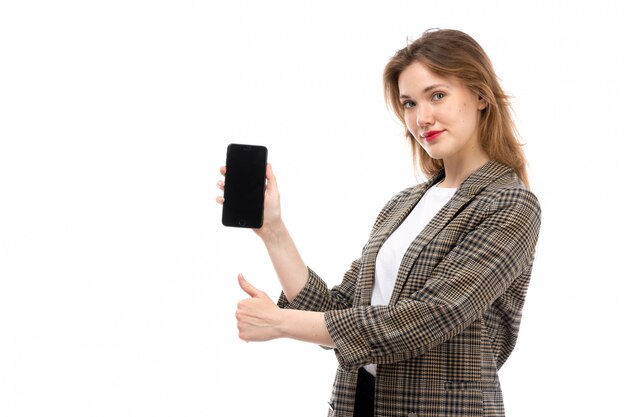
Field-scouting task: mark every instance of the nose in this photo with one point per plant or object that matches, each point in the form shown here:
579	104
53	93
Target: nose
424	116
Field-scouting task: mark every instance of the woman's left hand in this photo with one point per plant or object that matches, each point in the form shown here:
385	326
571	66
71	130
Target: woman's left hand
257	316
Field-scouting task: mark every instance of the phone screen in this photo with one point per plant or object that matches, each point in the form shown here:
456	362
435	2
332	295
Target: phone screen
244	186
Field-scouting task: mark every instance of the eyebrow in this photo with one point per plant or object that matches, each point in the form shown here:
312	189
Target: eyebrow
427	89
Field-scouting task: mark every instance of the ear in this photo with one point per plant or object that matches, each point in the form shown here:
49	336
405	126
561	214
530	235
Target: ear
482	103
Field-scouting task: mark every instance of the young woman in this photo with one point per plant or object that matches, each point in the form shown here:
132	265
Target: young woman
431	310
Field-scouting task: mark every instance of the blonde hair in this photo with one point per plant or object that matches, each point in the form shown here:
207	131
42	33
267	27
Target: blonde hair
452	53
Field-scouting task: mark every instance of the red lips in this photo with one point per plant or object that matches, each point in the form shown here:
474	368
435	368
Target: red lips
431	135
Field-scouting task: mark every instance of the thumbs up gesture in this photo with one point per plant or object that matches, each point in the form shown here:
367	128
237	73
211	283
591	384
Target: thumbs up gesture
257	316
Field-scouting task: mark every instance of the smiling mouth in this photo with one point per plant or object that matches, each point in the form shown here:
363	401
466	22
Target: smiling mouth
431	135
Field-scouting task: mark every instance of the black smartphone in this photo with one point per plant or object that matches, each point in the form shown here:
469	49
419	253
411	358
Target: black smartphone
244	186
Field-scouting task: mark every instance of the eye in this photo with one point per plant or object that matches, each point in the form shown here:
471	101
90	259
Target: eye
438	96
407	104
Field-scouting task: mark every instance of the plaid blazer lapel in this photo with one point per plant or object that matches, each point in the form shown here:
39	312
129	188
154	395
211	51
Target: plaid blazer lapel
399	212
431	230
468	190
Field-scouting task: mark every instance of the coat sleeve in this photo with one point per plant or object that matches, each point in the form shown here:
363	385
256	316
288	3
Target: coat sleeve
465	283
315	296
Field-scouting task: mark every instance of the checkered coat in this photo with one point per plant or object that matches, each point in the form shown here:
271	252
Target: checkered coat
455	311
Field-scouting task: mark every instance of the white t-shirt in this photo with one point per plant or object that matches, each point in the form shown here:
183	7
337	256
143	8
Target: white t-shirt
392	251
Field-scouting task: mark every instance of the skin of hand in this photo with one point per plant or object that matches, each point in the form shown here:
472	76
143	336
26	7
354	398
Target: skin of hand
260	320
257	316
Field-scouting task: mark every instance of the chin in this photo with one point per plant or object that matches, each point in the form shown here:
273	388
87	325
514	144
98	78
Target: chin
438	150
435	154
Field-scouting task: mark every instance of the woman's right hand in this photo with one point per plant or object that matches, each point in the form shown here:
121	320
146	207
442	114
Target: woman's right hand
272	220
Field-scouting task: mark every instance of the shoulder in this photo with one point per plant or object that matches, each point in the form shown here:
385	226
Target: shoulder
509	190
507	203
497	184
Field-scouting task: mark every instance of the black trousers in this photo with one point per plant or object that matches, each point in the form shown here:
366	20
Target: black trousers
364	400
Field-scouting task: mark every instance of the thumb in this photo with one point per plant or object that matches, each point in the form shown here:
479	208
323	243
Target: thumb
247	287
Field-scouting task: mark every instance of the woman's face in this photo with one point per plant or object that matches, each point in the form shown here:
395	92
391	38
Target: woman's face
441	113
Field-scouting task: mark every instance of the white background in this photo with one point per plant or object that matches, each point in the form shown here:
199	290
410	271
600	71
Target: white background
117	280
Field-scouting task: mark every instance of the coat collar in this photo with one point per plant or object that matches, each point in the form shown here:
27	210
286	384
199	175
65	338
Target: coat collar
477	180
469	188
483	176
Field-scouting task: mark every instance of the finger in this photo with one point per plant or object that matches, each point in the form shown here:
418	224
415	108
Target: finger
219	199
269	173
271	178
223	170
220	185
247	287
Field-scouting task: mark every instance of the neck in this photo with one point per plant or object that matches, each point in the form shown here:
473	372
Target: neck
457	171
